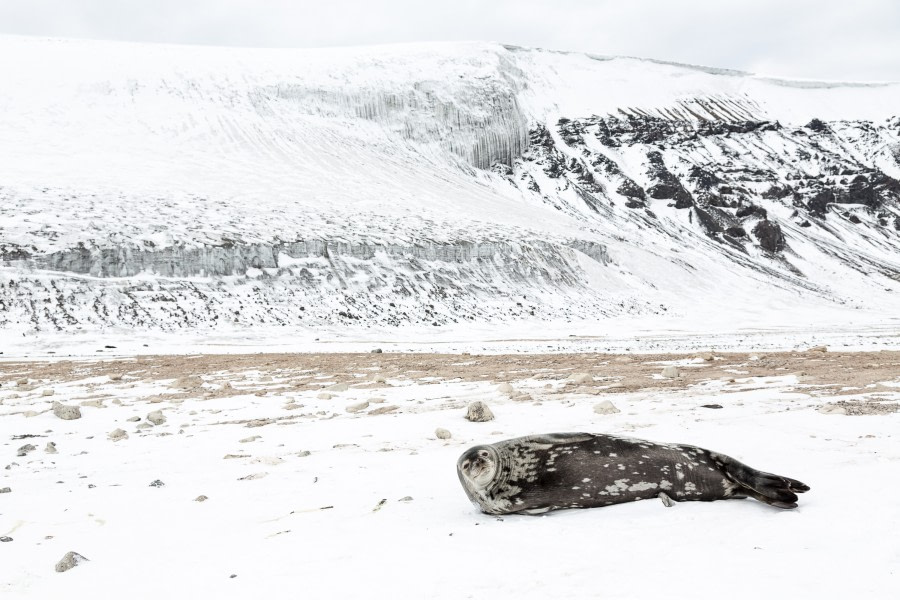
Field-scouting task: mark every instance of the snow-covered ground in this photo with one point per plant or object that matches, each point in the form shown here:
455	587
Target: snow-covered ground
308	499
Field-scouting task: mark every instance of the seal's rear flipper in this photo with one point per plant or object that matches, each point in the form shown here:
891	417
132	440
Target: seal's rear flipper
774	490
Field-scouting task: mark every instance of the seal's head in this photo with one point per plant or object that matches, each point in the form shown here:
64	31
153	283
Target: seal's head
478	467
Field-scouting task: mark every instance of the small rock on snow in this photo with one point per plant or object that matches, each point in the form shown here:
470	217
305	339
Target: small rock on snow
442	434
478	412
670	372
66	412
605	408
156	417
69	561
26	449
355	408
118	434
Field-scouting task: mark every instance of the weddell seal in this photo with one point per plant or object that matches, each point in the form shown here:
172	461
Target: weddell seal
540	473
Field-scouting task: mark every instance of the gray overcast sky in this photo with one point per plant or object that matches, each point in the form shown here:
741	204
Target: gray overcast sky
815	39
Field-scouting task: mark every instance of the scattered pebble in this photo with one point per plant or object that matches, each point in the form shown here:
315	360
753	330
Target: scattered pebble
133	419
66	412
671	372
605	408
383	410
442	434
144	426
118	434
355	408
201	498
818	349
325	396
710	406
252	476
5	490
377	351
405	499
303	453
6	538
478	412
338	387
252	438
259	422
156	417
157	483
47	392
93	403
50	448
69	561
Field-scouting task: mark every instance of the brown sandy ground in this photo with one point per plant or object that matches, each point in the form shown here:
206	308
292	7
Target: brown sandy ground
818	372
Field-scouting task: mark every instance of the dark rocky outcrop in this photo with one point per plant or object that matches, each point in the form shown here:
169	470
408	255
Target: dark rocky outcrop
769	235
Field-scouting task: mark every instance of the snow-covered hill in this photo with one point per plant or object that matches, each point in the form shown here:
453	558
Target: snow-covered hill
166	187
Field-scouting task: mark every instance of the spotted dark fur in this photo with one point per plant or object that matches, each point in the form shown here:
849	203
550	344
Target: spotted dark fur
536	474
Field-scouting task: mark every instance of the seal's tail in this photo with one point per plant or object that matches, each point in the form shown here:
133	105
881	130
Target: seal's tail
774	490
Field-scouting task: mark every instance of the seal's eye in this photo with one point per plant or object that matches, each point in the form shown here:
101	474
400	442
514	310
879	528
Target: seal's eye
483	454
465	466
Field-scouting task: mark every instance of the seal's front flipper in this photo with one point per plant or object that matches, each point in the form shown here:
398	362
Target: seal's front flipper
774	490
667	502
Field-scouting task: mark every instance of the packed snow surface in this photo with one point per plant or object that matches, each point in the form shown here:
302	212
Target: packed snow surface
323	476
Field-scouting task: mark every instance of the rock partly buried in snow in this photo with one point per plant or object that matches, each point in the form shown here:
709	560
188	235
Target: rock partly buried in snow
118	434
187	383
5	490
442	434
605	408
580	378
201	498
69	561
156	417
259	422
50	448
338	387
133	419
157	483
355	408
24	450
66	412
671	372
505	388
478	412
47	392
818	349
325	396
247	440
383	410
377	351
